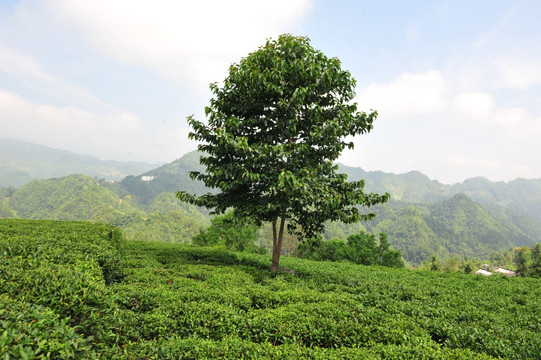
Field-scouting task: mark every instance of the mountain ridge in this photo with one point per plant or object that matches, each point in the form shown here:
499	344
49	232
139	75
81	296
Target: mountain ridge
21	162
423	218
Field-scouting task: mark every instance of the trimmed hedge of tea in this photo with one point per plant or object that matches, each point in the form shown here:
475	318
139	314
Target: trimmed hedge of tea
169	301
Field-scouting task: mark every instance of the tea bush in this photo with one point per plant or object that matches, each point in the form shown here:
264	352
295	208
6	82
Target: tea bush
170	301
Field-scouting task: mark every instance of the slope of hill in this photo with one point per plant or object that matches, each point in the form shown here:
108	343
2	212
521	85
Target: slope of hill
76	197
412	186
520	195
70	291
79	197
457	225
167	178
424	218
22	162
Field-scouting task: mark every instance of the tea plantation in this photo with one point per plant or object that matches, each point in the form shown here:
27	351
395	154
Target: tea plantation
77	290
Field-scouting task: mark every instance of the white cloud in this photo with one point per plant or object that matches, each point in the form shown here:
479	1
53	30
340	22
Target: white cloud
16	63
518	72
476	104
29	71
192	41
75	129
518	123
409	94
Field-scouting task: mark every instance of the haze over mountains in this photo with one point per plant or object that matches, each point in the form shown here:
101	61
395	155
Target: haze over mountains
424	217
22	162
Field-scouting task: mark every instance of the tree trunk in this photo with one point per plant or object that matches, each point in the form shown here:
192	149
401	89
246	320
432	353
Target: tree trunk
277	242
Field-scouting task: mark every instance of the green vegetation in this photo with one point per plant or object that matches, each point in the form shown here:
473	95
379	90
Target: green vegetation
361	248
227	230
55	302
80	197
76	197
275	128
456	226
76	290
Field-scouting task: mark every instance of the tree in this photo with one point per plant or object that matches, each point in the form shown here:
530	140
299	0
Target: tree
434	266
360	248
452	263
522	260
225	230
387	256
275	128
536	261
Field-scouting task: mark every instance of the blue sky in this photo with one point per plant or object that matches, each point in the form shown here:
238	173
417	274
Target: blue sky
457	84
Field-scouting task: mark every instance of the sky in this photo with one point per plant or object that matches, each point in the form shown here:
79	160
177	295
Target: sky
457	84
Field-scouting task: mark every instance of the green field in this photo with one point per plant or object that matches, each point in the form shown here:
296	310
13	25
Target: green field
77	290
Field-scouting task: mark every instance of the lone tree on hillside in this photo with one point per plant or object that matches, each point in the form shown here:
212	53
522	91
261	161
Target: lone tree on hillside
274	129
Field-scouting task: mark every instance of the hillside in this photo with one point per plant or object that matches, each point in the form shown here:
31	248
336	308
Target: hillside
167	178
521	196
457	225
412	186
79	197
424	218
22	162
76	290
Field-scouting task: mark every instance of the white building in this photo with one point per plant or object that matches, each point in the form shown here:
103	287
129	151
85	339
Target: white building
483	272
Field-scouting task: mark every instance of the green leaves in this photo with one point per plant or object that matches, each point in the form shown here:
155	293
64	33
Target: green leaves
180	301
274	129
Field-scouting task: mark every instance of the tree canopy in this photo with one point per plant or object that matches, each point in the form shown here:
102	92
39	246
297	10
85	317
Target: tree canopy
275	126
361	248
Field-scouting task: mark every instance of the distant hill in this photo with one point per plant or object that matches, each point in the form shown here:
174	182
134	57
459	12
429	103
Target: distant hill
22	162
457	225
412	186
424	217
520	195
75	197
80	197
170	177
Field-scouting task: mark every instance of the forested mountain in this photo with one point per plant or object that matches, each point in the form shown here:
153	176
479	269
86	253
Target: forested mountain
457	225
79	197
520	195
22	162
167	178
424	217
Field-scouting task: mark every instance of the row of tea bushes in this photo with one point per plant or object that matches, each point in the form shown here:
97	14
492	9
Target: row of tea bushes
55	301
76	290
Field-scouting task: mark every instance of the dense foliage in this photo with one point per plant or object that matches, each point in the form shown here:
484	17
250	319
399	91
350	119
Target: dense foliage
226	230
275	128
54	298
457	226
72	290
362	248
